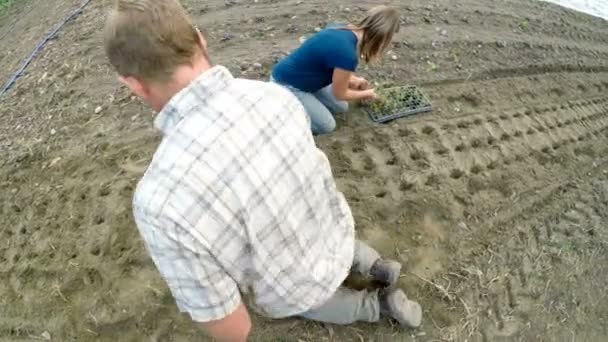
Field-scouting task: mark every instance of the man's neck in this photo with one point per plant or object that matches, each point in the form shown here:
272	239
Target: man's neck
182	77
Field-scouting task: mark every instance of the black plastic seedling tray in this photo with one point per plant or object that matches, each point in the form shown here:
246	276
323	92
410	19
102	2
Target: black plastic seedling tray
397	102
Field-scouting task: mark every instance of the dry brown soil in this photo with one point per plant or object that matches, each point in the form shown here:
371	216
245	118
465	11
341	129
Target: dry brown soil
497	201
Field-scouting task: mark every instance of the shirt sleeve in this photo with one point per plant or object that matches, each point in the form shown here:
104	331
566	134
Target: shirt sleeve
199	285
342	54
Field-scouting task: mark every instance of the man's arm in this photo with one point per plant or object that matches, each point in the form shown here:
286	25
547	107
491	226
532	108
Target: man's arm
232	328
200	286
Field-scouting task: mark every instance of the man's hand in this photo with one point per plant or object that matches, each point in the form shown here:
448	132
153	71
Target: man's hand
357	83
232	328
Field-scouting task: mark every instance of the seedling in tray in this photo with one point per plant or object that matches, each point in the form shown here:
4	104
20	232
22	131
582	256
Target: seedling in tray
397	102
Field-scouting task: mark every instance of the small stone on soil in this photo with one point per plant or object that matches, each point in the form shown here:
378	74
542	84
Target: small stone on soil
54	161
98	109
227	36
53	131
463	226
257	66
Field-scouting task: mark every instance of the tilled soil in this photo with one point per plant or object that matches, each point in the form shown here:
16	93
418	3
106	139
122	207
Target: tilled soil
496	202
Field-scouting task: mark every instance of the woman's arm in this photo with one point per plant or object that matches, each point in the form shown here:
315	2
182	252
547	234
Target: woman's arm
340	86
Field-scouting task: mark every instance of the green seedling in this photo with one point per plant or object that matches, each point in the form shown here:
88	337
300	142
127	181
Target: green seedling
396	100
5	3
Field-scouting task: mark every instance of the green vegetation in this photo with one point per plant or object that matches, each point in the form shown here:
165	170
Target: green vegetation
524	25
5	3
569	246
397	99
432	66
455	54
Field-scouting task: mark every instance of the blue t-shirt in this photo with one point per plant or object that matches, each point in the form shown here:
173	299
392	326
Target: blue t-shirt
310	67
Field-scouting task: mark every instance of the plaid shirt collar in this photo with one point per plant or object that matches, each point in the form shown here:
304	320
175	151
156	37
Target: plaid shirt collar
208	83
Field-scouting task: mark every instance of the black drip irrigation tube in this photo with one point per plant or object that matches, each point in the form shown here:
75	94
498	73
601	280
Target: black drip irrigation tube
39	47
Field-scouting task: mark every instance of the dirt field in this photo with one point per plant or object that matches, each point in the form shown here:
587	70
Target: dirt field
497	201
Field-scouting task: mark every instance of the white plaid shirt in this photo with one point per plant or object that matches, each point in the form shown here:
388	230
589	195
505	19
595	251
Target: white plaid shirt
238	200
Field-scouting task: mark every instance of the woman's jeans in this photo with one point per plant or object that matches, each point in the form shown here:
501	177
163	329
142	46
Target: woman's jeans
320	106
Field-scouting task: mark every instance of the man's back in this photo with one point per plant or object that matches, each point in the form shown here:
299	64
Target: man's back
239	199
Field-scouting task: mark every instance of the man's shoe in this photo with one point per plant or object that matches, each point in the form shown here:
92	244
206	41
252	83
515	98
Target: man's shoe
386	272
394	303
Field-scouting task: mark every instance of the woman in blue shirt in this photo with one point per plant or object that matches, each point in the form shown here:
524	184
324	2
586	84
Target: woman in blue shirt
321	71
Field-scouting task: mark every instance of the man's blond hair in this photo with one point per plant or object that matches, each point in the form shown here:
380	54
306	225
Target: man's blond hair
149	39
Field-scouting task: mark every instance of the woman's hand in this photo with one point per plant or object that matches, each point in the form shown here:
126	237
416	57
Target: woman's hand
370	95
358	83
342	83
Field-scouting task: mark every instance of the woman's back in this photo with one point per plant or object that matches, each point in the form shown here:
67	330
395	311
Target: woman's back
310	67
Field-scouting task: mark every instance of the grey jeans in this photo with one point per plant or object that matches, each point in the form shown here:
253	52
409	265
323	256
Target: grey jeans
348	306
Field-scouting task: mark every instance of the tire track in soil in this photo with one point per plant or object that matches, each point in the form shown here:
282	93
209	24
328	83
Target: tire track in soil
508	281
531	70
474	151
475	143
510	287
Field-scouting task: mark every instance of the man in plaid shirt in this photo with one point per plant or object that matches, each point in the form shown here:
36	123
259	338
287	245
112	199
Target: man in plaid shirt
238	205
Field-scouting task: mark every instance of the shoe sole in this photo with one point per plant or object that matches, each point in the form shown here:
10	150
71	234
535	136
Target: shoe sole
411	315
